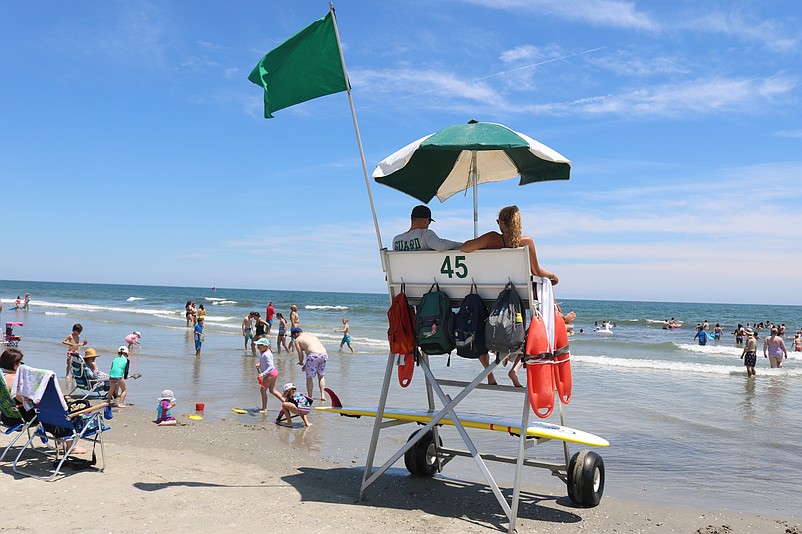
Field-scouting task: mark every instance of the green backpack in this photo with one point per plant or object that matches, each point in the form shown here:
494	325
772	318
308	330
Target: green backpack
435	322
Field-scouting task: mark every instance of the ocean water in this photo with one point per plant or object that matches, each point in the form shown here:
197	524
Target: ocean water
685	424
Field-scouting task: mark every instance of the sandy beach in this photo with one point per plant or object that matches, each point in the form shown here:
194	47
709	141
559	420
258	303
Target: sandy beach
204	476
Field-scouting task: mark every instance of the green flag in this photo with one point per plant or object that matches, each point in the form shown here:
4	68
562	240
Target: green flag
305	66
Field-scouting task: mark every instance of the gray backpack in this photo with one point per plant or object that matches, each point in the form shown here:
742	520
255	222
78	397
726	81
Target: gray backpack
505	332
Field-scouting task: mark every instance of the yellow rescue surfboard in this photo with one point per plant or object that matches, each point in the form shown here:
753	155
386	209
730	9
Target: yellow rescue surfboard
511	425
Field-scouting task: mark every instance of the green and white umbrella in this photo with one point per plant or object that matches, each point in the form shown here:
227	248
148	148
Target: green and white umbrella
465	155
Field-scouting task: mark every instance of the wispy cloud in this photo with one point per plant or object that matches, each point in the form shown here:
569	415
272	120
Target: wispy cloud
139	34
611	13
736	23
447	90
637	64
430	83
528	53
789	133
702	96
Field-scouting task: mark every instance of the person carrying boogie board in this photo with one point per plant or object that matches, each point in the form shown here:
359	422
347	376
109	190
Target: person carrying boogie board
435	323
401	335
469	333
505	332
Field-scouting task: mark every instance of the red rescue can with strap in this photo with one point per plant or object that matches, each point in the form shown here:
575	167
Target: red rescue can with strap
539	363
562	359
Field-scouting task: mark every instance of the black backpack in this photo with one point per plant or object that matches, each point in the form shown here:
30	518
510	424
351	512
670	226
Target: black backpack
435	322
470	326
505	332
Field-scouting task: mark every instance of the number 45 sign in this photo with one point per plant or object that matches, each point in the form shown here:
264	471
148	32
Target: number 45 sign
458	269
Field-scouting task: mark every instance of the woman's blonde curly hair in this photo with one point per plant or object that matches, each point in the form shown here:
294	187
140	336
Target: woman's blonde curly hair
509	221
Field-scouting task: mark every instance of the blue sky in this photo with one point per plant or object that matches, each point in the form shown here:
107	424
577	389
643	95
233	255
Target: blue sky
133	148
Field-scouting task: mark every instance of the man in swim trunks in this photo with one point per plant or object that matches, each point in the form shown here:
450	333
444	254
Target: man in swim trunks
419	237
295	322
316	358
774	349
247	329
749	354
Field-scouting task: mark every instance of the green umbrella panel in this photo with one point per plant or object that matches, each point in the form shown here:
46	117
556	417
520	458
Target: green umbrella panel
463	155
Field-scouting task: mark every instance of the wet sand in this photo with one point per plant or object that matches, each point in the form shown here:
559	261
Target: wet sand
212	476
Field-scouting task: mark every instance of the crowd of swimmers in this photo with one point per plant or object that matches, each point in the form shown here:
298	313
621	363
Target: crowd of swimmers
747	336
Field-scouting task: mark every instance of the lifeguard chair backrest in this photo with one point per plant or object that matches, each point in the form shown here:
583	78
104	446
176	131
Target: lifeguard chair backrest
454	271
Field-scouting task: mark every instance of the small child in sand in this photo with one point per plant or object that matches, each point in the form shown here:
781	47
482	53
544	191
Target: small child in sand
166	403
294	404
132	339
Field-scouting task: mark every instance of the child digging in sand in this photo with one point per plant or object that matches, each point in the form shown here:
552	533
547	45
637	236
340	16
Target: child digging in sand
166	403
294	404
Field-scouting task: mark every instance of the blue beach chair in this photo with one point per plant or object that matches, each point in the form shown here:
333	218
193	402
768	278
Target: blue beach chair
66	429
92	388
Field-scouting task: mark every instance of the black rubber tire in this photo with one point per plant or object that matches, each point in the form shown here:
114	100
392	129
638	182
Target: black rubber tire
421	458
586	478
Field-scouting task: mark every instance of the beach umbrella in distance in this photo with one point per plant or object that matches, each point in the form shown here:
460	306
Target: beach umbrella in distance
464	155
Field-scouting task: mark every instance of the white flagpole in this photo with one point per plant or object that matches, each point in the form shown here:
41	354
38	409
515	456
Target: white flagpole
356	127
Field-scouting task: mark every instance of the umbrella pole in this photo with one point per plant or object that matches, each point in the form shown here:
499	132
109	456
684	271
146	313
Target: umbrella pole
475	179
356	127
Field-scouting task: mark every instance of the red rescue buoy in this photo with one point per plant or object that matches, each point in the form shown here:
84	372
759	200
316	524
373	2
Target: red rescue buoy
539	369
406	369
562	359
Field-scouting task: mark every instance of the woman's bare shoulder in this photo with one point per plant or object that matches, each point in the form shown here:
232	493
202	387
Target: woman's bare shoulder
484	241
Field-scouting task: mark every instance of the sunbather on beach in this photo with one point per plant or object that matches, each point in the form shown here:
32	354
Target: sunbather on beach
91	365
10	361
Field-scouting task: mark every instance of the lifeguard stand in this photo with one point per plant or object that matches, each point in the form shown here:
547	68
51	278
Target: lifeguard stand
456	272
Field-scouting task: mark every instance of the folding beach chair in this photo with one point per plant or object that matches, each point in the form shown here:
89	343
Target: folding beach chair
57	423
92	387
10	413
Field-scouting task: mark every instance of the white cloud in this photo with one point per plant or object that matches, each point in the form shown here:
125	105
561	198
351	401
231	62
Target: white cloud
432	83
527	53
702	96
608	13
770	33
639	65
